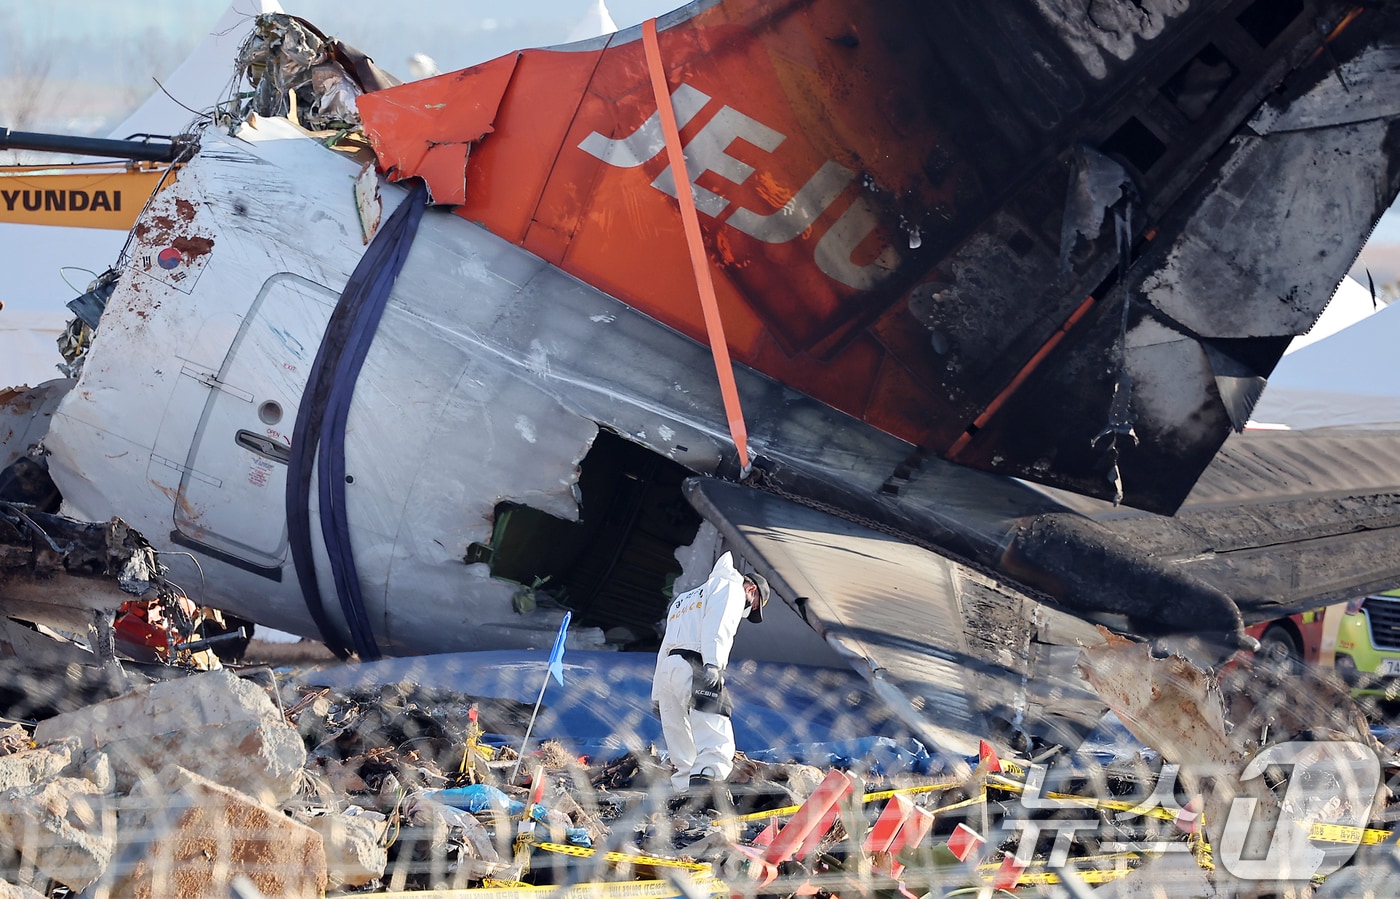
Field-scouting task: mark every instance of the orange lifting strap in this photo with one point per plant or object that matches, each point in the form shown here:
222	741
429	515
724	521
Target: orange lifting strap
714	327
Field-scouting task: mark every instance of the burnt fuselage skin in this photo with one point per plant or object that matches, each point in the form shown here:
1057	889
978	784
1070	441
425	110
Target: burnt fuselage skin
1048	240
489	379
922	339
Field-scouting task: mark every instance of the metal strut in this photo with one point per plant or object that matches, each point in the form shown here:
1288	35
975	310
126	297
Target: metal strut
149	150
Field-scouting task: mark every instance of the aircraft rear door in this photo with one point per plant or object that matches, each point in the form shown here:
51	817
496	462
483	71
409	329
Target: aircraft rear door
230	502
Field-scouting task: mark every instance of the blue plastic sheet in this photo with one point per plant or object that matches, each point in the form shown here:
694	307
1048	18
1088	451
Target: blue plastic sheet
480	798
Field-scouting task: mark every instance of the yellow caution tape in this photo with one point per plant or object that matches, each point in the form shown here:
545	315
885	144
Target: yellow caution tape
1009	767
1040	863
1322	833
1088	875
623	857
784	812
1200	849
910	791
474	749
1036	873
1339	833
975	800
1116	805
564	849
629	889
789	810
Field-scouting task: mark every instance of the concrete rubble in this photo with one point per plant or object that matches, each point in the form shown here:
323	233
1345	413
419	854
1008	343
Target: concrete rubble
228	730
213	784
192	837
61	828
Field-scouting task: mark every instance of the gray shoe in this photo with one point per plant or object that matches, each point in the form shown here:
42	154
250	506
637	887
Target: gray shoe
710	793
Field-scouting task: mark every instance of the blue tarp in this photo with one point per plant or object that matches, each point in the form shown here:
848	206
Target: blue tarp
604	706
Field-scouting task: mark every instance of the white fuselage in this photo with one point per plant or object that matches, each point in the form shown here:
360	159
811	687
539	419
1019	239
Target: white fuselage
489	377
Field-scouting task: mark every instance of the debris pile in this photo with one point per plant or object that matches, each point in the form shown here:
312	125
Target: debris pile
224	783
299	72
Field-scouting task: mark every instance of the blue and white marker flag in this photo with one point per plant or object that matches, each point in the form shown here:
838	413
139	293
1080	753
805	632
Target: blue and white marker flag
556	655
556	668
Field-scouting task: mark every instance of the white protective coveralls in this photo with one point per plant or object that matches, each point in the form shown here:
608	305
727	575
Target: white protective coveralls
703	620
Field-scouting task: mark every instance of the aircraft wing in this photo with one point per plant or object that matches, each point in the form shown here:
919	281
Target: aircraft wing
1282	520
960	653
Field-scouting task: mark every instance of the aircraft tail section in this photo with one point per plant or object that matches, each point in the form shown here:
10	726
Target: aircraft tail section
1017	237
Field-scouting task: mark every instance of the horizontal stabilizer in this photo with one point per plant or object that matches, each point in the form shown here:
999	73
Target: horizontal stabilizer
955	650
1282	520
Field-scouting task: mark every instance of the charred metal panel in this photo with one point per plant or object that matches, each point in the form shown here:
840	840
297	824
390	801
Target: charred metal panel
1262	253
56	569
1110	31
1163	379
1094	570
1365	88
1298	519
1259	246
1281	521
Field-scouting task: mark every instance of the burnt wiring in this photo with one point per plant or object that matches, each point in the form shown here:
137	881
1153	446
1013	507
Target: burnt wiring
197	566
33	526
1120	412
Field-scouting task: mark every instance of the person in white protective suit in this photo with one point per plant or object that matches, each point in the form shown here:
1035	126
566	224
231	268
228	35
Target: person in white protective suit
688	688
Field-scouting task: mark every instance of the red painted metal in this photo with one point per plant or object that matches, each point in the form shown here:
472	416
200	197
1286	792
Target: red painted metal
530	177
815	817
